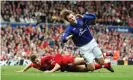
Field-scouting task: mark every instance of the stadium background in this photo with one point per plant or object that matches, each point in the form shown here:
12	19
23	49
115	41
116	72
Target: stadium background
34	27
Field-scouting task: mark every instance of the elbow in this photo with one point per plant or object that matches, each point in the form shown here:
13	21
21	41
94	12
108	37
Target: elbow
93	16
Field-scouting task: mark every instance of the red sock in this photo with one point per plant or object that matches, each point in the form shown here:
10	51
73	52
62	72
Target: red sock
98	66
106	65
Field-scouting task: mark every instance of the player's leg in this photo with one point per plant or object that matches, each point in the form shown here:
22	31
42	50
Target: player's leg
100	59
83	68
78	61
86	52
77	68
89	59
98	55
80	68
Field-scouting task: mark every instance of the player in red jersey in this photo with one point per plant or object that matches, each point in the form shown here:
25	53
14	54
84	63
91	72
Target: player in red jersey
74	64
41	64
59	62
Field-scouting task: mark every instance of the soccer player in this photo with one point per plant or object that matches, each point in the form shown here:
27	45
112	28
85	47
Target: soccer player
74	64
41	64
59	62
49	62
78	31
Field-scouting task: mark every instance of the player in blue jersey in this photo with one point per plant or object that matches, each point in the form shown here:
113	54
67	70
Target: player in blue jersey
78	31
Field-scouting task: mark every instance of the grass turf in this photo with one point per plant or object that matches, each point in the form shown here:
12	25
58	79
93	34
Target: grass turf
121	73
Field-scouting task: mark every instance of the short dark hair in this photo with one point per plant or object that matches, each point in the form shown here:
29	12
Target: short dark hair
64	13
33	57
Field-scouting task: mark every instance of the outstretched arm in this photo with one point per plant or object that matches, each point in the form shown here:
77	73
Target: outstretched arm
64	40
66	35
56	67
26	68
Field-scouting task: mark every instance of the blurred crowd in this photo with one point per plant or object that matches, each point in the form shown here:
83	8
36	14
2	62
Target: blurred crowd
108	12
22	41
117	43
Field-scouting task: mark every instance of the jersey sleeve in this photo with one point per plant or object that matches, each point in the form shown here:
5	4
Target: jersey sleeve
66	34
48	60
89	16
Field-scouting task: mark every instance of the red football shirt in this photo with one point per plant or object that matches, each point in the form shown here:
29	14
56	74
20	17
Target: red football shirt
47	63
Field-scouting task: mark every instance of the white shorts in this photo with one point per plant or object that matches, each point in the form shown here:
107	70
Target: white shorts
90	51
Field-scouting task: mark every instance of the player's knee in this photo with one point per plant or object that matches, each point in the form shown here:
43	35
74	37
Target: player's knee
100	60
91	67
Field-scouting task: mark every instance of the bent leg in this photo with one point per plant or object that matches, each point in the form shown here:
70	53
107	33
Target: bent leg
98	55
100	60
78	68
89	59
78	61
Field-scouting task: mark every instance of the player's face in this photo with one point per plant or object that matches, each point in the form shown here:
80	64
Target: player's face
36	61
72	19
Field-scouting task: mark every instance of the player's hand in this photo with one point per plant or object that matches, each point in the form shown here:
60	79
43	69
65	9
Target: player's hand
47	71
69	37
20	71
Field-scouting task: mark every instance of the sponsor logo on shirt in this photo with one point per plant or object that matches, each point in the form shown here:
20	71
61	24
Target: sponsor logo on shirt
82	31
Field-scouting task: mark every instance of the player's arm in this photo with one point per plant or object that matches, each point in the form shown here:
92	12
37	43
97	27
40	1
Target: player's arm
56	67
26	68
66	35
89	16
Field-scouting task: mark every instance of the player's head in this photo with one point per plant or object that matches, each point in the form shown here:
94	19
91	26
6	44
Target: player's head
68	16
34	59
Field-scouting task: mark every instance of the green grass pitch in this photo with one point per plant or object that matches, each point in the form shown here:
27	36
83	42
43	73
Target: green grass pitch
121	73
